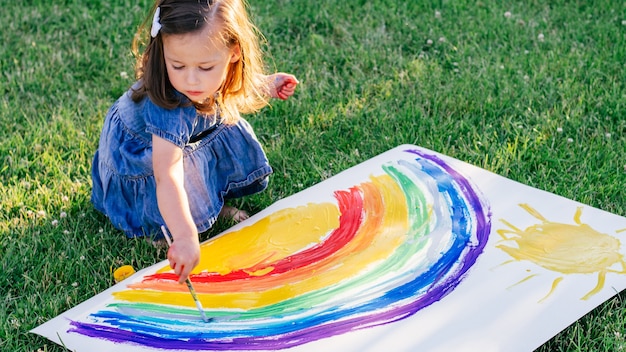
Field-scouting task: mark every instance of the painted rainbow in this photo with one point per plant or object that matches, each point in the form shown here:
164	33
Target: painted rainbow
386	248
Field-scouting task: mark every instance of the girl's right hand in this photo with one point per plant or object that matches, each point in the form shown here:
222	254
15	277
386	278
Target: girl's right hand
184	255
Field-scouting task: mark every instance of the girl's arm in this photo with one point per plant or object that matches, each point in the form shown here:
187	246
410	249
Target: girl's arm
167	161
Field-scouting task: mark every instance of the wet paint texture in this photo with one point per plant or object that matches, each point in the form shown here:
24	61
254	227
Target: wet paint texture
564	248
385	249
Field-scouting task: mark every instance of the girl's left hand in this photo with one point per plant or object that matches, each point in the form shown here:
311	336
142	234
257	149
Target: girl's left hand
282	85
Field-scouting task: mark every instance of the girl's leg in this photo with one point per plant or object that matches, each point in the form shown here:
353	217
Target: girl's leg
231	213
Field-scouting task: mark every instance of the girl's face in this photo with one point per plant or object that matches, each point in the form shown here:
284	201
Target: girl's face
196	64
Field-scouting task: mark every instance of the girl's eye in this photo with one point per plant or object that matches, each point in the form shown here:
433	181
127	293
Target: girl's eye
206	68
178	67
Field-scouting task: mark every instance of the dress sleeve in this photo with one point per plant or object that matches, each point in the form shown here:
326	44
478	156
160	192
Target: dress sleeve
174	125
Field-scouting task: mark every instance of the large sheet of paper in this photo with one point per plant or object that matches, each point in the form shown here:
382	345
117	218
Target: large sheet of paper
409	251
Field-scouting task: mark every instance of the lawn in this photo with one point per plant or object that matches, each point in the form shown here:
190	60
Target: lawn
532	90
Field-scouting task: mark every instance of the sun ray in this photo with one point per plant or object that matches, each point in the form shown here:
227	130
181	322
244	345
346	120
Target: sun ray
599	286
555	283
522	280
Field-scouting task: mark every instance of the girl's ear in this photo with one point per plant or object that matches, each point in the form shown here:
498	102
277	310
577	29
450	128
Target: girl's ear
235	53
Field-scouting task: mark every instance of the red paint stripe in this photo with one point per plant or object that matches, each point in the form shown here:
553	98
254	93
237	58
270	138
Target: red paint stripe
351	209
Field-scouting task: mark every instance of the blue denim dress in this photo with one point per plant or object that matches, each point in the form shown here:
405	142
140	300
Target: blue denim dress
220	161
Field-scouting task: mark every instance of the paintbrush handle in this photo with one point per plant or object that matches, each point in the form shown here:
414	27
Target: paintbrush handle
167	236
196	300
188	281
191	289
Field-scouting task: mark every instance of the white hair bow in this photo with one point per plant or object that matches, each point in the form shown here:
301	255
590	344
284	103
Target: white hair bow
156	23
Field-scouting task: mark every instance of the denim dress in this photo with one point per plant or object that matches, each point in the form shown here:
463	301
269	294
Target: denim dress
220	162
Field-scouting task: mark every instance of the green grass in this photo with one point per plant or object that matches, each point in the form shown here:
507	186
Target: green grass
538	97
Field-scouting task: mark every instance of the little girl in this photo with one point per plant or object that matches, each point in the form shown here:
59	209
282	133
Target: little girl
174	146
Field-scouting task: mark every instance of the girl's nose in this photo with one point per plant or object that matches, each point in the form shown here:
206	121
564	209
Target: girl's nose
192	77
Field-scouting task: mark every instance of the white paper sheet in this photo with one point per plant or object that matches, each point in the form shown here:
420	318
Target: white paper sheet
409	251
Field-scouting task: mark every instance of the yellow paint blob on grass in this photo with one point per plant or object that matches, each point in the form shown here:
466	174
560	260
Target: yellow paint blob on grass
123	272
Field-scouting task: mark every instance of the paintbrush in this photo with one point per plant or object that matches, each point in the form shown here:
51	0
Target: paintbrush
188	282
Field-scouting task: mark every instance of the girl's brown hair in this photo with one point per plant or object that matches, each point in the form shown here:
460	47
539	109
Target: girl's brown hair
244	89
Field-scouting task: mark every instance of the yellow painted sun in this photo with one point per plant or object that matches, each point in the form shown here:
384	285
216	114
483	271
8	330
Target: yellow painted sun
564	248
